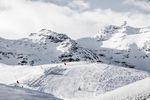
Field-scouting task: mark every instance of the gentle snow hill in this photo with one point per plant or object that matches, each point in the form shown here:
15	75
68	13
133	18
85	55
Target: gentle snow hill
75	80
136	91
139	90
16	93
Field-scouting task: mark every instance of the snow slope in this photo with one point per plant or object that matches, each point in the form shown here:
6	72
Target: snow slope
16	93
136	91
75	80
139	90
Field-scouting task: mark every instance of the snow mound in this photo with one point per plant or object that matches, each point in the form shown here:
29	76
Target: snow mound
136	91
16	93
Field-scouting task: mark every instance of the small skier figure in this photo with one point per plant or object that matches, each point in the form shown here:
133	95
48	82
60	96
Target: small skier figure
65	63
17	82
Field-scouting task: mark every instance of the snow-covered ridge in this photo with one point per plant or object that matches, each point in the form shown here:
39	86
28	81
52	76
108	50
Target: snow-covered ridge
120	37
122	45
110	30
43	47
45	34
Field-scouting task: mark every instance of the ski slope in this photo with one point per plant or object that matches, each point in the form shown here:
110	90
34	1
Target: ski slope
136	91
74	80
16	93
139	90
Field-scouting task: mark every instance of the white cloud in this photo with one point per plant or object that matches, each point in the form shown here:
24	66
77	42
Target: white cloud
79	4
143	4
24	17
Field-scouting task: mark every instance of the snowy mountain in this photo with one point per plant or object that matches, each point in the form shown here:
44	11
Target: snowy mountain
117	45
43	47
121	45
112	49
16	93
96	57
118	37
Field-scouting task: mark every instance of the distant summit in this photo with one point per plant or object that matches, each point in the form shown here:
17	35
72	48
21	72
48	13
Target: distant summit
107	32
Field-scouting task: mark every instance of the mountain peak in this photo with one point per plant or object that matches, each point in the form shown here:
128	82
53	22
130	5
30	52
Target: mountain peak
49	35
108	31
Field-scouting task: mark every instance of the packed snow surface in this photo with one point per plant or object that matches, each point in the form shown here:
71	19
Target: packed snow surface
74	80
139	90
136	91
17	93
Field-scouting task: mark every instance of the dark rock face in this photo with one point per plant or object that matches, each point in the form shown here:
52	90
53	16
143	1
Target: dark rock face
60	38
50	35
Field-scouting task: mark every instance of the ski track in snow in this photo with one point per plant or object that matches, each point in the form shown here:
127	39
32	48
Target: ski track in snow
75	80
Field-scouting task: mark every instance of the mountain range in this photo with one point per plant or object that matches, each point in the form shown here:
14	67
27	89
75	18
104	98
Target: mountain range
119	45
